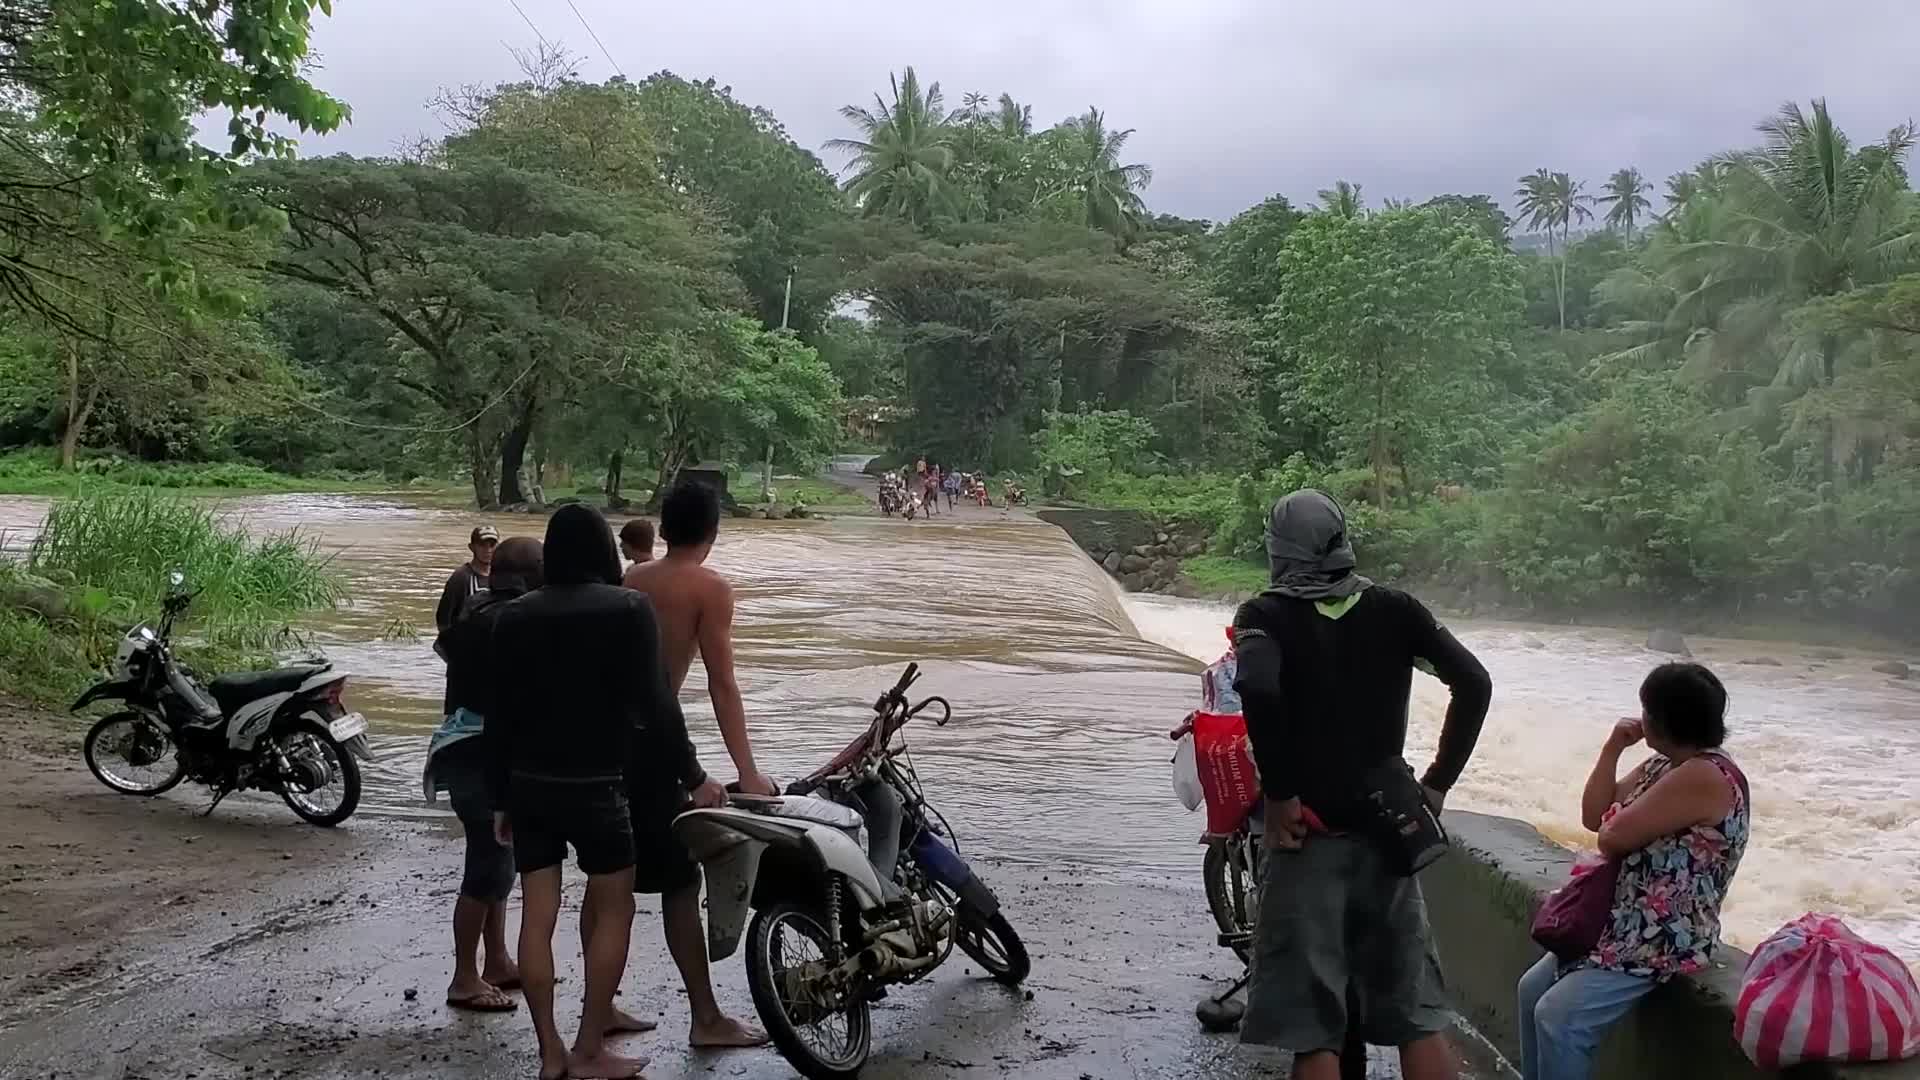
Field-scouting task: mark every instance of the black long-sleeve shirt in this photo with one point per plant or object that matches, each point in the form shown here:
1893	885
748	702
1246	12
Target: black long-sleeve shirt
580	690
461	584
1325	693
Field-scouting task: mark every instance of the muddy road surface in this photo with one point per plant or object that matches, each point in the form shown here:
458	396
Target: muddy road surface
143	940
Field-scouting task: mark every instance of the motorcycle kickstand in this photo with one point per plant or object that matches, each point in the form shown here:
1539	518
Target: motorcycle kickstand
218	794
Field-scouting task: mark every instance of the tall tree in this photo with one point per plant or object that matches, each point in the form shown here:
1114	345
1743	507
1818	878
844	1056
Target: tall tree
1241	268
1554	200
1342	199
1107	190
1804	216
101	101
1626	199
899	163
1387	316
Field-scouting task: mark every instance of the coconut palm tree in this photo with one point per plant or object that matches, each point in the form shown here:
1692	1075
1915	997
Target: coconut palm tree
1108	190
1342	199
1625	196
1554	200
899	164
1804	216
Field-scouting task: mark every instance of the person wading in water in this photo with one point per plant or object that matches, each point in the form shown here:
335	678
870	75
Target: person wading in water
1341	945
695	606
583	689
457	764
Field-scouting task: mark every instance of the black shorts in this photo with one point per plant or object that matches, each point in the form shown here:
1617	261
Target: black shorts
488	873
661	863
548	815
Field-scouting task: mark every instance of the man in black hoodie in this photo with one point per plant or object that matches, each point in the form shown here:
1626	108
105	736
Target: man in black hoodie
1326	661
558	747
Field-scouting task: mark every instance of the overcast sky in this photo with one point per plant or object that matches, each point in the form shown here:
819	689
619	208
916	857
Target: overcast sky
1231	100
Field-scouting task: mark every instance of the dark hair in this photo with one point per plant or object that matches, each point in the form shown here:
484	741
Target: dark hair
1686	704
579	548
689	515
518	566
638	533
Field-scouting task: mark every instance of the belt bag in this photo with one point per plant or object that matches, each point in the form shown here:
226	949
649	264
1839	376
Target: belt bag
1394	813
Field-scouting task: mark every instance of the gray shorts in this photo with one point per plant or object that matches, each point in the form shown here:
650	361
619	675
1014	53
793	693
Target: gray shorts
1341	942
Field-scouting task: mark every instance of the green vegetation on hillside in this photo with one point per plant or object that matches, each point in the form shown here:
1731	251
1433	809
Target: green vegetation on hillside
1704	394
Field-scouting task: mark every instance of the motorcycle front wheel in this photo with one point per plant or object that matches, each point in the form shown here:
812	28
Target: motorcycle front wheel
132	753
992	943
787	958
312	749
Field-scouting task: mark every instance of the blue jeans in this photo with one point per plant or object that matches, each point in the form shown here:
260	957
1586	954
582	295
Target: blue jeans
1562	1019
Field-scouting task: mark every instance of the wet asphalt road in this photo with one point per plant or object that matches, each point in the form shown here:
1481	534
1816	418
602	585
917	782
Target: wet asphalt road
340	972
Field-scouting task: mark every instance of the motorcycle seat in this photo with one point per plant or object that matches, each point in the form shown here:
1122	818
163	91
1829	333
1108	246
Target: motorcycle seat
233	691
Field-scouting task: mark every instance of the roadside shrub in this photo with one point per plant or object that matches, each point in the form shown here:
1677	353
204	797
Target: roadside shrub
113	552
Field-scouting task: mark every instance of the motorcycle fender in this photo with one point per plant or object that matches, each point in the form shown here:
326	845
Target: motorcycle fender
730	879
252	720
945	866
842	856
112	688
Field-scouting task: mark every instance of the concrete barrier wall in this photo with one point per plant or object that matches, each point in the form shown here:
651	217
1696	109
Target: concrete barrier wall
1482	897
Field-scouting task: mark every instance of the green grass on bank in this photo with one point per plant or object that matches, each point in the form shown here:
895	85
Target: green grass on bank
1217	574
100	564
36	471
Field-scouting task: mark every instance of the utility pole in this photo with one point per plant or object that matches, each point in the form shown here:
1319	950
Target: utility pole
766	473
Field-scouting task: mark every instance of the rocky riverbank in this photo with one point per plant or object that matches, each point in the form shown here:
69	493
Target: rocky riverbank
1141	553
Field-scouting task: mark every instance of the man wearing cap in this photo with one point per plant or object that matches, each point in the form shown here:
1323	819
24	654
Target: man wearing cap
470	578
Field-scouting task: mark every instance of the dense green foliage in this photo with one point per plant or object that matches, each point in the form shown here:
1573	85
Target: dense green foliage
1711	402
103	559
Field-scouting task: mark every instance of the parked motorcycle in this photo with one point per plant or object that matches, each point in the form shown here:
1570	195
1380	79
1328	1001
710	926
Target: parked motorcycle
282	730
830	933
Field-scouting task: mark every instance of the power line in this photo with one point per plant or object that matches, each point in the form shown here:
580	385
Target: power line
596	38
530	26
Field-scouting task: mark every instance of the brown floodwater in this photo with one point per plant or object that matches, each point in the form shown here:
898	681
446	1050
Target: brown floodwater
1063	690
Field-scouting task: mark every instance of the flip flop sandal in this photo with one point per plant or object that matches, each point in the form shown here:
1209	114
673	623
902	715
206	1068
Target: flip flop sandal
484	1003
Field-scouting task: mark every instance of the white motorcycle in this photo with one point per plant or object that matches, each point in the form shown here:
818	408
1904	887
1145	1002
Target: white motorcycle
282	730
841	914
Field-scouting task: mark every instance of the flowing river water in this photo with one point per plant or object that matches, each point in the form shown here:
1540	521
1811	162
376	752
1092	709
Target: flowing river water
1063	689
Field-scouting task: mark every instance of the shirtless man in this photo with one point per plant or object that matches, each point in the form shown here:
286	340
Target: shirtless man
695	608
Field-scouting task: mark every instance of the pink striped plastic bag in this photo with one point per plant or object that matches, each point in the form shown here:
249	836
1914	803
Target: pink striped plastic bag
1817	991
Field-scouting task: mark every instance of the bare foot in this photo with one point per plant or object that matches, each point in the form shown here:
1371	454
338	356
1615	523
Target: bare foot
604	1065
725	1033
553	1062
505	974
625	1023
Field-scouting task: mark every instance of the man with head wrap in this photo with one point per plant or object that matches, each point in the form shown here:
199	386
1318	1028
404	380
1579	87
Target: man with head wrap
1341	944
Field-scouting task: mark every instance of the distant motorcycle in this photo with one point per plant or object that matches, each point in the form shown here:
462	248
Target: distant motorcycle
1015	494
283	730
829	935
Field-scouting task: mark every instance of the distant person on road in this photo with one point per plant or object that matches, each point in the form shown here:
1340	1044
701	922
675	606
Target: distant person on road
469	579
930	490
1677	824
457	764
636	544
695	607
593	693
1326	660
950	483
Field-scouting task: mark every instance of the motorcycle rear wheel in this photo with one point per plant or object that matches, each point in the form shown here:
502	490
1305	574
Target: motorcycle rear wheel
781	938
121	727
346	774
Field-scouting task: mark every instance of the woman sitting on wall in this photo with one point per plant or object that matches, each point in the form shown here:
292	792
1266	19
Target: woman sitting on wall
1677	825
